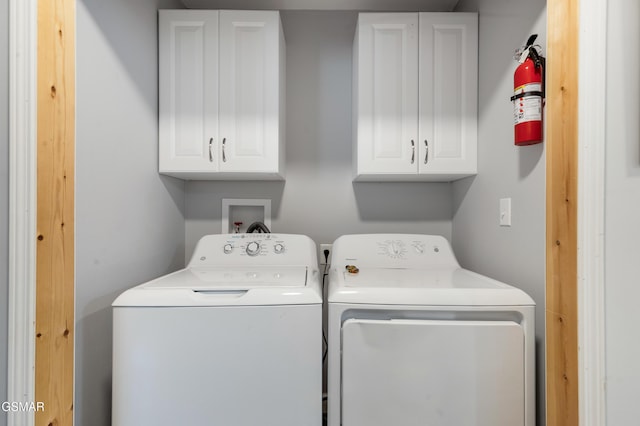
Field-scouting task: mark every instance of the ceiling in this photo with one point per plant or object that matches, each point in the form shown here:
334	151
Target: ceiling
361	5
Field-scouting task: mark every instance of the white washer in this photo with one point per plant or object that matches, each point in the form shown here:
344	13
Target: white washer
416	340
232	339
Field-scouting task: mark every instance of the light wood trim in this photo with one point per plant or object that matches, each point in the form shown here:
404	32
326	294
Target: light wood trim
562	213
55	322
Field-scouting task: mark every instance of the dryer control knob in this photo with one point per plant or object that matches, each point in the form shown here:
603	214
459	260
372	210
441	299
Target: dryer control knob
253	248
228	248
278	248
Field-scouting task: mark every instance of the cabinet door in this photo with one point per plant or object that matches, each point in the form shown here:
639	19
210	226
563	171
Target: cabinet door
188	78
249	88
387	93
448	93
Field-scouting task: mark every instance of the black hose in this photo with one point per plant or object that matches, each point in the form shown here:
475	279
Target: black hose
258	227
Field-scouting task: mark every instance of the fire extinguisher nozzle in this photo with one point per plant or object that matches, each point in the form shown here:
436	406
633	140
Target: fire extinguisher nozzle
532	38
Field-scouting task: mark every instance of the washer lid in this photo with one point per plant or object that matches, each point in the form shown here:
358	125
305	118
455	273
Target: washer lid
438	287
211	286
202	279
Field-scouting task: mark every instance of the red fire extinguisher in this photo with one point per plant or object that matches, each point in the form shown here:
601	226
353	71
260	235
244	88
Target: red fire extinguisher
528	95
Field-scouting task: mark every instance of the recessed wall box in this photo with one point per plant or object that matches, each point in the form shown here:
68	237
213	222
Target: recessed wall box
246	211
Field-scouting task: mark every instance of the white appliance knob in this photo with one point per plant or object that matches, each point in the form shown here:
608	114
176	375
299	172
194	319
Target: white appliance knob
278	248
228	248
253	248
395	248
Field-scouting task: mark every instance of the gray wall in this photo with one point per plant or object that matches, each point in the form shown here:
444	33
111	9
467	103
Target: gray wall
4	198
622	211
130	222
318	197
516	254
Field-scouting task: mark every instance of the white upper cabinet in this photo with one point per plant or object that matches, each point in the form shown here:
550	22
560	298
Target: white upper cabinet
448	94
387	85
249	90
188	71
221	94
415	96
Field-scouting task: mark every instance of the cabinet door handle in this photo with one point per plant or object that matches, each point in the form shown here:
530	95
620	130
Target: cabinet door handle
211	150
413	151
224	156
426	151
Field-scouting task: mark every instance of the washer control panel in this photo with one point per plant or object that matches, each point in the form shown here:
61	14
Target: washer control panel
254	249
259	245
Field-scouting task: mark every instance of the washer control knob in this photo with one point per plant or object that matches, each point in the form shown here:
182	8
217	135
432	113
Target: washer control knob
228	248
278	248
253	248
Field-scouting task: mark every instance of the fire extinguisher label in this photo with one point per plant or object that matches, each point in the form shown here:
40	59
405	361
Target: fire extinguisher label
531	87
527	108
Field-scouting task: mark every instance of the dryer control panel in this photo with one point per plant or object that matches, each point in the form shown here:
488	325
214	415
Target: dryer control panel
254	250
394	251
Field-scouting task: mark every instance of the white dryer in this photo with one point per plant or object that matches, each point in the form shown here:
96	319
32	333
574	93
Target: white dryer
233	339
416	340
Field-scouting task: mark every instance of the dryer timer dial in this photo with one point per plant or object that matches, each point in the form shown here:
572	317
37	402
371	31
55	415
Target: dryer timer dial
395	249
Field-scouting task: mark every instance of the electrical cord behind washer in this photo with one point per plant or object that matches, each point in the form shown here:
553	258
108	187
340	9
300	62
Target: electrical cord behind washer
324	276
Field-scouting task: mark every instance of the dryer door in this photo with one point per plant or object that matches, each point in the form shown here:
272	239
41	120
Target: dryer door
427	372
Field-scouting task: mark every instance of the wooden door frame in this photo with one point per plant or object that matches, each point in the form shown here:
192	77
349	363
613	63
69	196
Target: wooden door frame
561	306
575	310
42	211
55	216
570	381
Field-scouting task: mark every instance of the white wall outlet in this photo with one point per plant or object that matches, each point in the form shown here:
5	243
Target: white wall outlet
505	212
324	247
